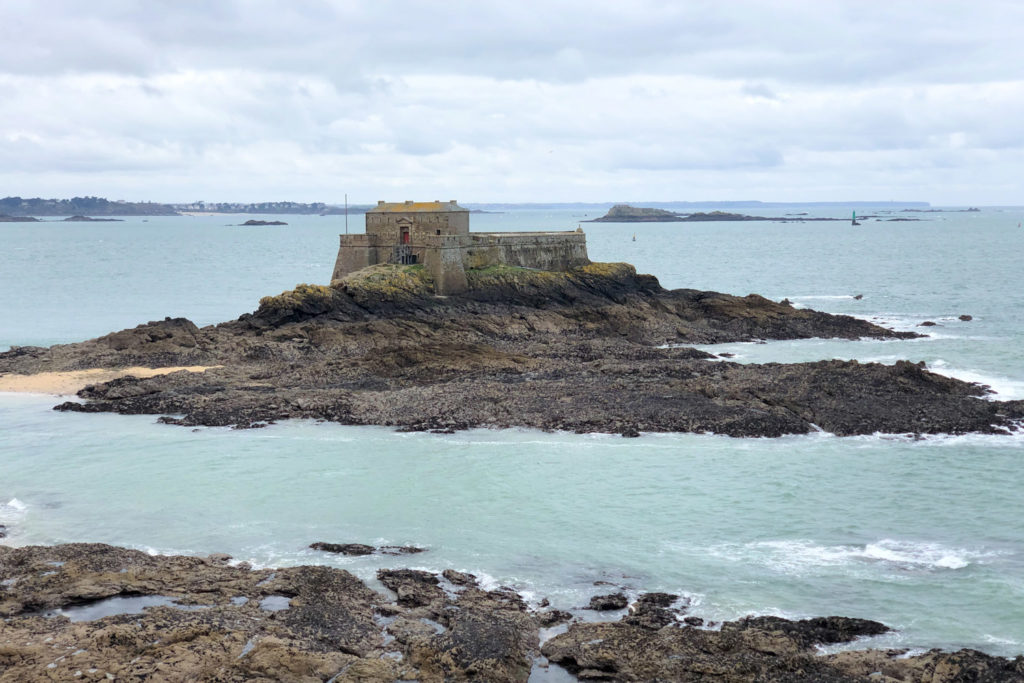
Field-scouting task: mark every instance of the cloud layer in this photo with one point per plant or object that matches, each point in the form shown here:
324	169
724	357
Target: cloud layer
505	101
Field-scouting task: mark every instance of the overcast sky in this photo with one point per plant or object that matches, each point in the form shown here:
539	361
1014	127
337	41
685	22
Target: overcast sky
560	100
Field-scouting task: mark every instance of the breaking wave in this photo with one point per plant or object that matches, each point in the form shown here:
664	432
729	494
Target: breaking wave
796	556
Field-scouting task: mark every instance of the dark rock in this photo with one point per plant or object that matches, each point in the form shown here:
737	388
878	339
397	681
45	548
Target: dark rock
810	632
858	297
652	610
657	599
608	602
726	354
414	588
401	550
553	617
459	578
3	531
343	548
743	651
966	318
693	621
928	323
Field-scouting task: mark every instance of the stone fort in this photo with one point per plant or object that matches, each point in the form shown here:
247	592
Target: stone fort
436	235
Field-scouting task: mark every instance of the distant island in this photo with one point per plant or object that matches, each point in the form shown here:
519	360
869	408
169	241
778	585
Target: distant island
257	223
624	213
81	206
88	219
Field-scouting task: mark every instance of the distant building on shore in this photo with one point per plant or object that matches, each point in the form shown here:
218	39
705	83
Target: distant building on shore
436	235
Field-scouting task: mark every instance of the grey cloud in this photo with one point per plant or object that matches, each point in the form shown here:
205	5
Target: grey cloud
506	98
565	40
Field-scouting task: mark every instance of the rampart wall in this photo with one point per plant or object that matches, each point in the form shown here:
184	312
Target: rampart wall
540	250
447	257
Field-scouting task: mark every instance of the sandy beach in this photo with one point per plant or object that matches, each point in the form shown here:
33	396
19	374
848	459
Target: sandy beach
61	383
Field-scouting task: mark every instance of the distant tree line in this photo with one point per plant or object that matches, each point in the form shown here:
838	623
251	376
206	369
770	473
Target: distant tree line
98	206
84	206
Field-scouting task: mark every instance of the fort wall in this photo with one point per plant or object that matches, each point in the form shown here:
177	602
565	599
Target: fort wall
540	250
436	235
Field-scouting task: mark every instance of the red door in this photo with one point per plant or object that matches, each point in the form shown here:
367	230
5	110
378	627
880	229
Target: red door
405	236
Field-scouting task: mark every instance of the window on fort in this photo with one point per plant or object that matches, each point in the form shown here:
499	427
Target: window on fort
438	232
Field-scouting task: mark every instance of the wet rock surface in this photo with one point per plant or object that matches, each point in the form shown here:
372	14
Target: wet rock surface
598	349
611	601
204	619
358	549
758	650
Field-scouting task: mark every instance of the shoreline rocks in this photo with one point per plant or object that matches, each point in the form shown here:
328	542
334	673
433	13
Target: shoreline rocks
194	618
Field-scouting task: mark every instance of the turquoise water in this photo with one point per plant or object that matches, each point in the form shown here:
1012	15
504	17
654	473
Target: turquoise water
927	536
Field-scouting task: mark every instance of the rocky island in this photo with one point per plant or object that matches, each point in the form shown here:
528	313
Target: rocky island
88	219
598	348
623	213
253	222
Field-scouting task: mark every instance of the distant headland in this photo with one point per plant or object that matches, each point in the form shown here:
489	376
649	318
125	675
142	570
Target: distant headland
16	207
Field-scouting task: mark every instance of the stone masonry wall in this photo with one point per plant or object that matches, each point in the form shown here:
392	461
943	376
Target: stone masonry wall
540	250
447	257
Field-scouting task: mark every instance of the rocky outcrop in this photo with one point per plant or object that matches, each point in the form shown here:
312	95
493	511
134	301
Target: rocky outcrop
95	612
358	549
597	349
624	213
88	219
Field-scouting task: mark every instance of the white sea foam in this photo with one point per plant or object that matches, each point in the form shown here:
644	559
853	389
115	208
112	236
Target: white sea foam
797	556
996	640
1005	388
12	512
922	554
822	297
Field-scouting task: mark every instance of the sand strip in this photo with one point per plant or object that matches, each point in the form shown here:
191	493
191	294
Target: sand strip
61	383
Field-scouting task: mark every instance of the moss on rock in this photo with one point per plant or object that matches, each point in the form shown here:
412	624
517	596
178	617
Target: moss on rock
301	298
387	282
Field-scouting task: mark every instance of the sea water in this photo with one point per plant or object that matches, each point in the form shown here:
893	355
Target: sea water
926	535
